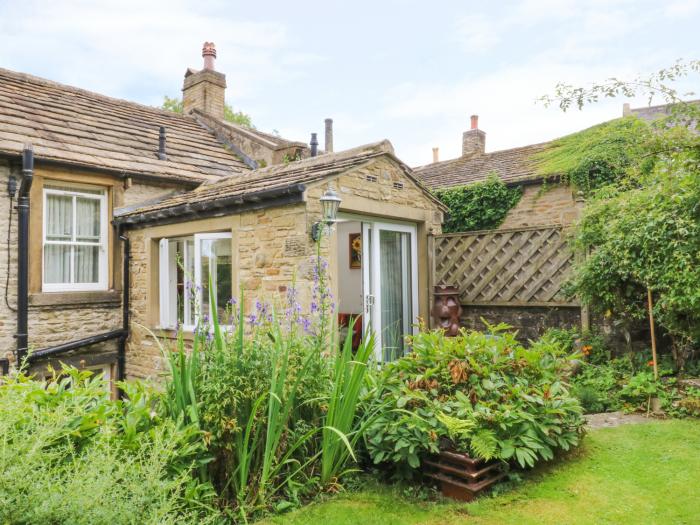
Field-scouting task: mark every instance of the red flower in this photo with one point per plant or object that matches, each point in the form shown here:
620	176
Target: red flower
650	363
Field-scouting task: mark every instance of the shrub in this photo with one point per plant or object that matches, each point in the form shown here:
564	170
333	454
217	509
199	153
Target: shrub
483	392
69	454
276	398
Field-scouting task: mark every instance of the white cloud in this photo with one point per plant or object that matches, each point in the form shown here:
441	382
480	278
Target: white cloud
681	8
477	32
142	43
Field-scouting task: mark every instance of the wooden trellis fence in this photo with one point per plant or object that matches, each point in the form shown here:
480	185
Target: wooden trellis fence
510	267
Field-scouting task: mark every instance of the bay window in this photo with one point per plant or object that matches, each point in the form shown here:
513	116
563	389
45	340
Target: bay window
74	239
186	265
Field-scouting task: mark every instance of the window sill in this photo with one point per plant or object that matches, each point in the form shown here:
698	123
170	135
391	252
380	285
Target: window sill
169	333
107	297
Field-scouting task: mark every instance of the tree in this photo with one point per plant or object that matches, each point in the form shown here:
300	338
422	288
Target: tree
237	117
641	227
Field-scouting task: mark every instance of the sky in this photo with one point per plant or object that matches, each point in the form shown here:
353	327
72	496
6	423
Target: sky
409	71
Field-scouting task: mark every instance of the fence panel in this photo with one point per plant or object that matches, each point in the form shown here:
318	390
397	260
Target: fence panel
516	267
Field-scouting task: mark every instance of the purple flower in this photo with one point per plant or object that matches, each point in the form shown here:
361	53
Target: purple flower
306	324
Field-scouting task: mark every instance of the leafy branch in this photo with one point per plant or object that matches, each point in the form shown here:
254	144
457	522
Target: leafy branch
651	86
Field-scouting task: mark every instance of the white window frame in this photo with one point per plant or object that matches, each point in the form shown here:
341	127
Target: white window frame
74	191
164	268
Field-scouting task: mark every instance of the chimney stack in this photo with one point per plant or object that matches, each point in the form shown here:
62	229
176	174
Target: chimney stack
329	135
473	140
626	109
314	144
436	154
204	90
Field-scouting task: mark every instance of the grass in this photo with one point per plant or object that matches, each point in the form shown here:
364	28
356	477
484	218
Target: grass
634	474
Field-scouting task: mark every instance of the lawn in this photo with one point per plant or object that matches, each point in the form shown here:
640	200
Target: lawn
647	474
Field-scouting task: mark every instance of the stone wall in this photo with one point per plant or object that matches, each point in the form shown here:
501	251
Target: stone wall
530	322
542	206
273	249
56	318
8	318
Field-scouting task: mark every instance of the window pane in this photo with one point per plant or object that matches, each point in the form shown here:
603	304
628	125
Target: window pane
395	284
87	264
181	271
59	218
216	261
87	220
57	263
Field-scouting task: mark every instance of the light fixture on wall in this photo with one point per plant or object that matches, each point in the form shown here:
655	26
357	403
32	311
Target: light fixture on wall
330	202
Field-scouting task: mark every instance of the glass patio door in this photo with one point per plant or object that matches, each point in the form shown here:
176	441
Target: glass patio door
390	280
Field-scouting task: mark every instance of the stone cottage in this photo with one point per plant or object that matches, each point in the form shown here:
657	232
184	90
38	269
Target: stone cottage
112	194
515	167
254	235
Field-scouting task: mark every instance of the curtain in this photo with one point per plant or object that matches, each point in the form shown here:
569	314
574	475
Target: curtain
59	227
392	293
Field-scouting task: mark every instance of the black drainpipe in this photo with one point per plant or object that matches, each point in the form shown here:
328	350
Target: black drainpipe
314	145
121	356
23	254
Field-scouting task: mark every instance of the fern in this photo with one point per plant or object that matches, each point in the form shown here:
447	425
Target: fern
457	429
484	444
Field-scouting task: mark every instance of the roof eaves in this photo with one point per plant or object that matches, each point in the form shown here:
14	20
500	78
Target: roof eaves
226	205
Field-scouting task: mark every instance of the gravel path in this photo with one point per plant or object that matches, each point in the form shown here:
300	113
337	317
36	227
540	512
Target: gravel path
614	419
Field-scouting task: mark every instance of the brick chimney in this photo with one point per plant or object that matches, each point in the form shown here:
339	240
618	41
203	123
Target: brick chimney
204	90
436	154
474	140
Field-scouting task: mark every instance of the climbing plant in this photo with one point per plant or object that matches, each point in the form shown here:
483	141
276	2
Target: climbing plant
480	206
641	226
600	155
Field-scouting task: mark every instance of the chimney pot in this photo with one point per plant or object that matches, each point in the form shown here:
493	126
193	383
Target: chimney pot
436	154
329	135
475	121
209	55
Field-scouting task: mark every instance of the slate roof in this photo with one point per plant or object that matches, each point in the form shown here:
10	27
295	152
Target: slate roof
82	128
262	183
511	165
267	139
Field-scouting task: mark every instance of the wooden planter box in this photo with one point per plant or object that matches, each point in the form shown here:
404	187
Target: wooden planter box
461	476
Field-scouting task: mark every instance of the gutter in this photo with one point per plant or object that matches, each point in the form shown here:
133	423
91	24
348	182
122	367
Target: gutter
280	196
22	334
75	345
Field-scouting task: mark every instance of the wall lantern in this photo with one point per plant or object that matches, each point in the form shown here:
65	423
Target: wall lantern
330	202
